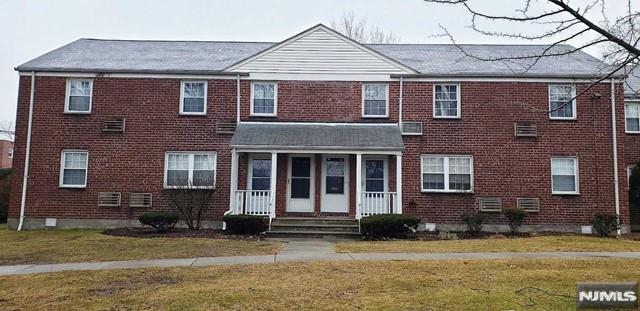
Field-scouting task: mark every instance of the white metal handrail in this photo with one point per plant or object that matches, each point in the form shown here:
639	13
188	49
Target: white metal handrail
375	203
253	202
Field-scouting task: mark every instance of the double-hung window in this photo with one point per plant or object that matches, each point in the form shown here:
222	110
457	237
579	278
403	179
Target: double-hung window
193	98
73	168
375	100
10	154
446	101
190	170
564	175
264	99
447	173
632	117
562	105
79	93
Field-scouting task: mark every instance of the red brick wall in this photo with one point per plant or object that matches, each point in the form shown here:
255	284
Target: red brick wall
511	167
503	165
5	147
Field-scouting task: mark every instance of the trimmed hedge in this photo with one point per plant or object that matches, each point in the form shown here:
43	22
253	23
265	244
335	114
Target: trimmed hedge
161	221
388	225
246	224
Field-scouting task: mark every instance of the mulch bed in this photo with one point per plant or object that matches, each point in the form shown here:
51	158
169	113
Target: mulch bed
461	235
179	233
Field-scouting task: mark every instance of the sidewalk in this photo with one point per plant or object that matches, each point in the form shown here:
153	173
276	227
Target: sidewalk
299	251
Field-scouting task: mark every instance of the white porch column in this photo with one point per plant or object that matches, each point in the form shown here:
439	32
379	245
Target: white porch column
234	182
274	174
358	184
398	207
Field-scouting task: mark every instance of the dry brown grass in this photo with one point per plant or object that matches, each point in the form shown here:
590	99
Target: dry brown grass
567	243
58	246
378	285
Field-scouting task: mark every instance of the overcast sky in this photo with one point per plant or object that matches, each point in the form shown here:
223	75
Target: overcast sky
32	28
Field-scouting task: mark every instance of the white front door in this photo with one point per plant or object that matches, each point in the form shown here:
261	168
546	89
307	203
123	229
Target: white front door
335	184
300	184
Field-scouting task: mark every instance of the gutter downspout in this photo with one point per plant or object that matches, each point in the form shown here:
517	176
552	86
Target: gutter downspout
614	138
25	176
238	99
400	103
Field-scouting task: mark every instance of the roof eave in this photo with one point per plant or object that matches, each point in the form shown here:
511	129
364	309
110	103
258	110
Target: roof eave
515	75
129	71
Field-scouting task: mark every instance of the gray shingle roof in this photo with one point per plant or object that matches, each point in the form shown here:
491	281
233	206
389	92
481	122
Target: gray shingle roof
450	60
90	55
317	136
96	55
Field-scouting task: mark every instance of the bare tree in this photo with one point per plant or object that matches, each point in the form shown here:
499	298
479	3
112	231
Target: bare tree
7	129
561	22
192	199
358	30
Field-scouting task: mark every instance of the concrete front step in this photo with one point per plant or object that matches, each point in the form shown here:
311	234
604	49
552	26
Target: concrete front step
317	227
314	227
312	234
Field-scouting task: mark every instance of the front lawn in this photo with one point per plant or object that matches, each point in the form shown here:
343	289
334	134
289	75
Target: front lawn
58	246
374	285
550	243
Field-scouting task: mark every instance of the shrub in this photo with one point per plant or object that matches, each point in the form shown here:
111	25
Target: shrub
388	225
515	216
605	224
246	224
161	221
474	222
192	200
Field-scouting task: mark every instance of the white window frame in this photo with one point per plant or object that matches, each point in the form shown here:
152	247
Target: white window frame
275	99
10	153
68	94
576	167
386	115
574	103
192	155
633	102
446	158
62	168
182	112
459	101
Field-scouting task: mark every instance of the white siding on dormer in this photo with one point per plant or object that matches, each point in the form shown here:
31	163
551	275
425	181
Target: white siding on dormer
320	52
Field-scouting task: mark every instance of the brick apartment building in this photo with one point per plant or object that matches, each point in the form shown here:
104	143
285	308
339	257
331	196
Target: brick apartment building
6	153
319	125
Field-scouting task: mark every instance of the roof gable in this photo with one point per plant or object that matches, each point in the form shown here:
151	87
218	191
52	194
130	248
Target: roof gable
320	50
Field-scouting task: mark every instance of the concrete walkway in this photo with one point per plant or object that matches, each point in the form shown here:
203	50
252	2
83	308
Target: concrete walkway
299	250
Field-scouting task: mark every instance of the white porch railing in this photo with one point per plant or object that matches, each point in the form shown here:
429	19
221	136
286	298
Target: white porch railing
253	202
374	203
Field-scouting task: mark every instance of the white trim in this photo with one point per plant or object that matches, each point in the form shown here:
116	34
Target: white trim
330	31
398	207
458	101
310	77
257	156
576	176
574	103
312	183
446	173
316	151
358	185
62	168
68	94
190	167
625	117
319	123
275	99
386	115
204	112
